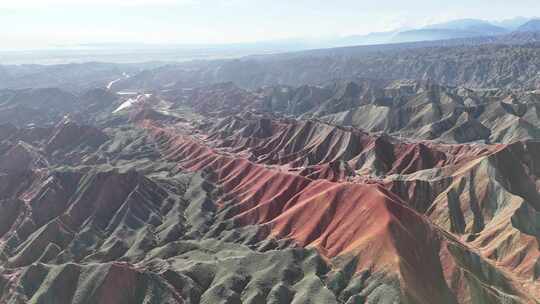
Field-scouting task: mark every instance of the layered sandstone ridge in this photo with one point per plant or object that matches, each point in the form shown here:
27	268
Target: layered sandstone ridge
161	205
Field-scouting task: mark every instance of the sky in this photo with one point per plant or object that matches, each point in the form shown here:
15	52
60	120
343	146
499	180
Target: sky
47	23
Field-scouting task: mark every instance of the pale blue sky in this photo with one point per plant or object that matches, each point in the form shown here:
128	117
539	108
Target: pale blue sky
38	23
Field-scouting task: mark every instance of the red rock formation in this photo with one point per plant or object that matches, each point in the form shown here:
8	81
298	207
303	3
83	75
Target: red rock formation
365	221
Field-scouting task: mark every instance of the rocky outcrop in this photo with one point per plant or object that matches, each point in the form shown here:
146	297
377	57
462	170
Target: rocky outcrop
69	136
414	109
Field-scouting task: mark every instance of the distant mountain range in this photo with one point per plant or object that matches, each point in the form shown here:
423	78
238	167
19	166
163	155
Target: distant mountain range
455	31
530	26
462	28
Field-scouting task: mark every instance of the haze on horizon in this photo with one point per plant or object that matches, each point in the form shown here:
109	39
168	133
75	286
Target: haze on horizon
28	24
